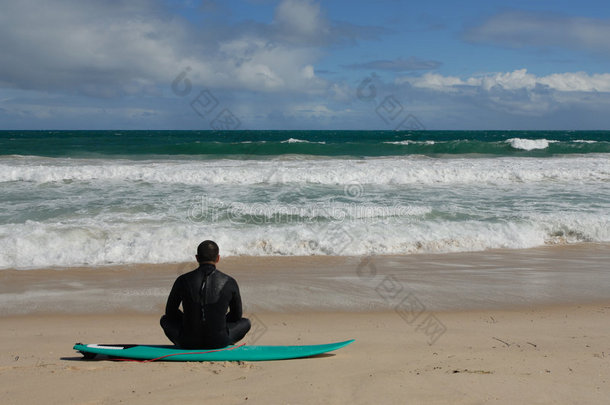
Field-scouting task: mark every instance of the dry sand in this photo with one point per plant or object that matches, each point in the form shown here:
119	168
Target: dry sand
537	356
550	345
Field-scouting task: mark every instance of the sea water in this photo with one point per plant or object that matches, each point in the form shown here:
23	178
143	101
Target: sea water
73	198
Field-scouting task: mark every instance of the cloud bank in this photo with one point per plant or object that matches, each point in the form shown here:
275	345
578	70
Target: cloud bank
515	80
516	99
132	46
93	64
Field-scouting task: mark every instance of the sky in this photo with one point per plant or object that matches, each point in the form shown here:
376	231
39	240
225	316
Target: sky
301	64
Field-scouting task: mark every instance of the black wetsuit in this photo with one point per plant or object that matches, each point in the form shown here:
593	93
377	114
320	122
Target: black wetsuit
206	294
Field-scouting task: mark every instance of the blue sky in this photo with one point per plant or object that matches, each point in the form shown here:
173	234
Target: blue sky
300	64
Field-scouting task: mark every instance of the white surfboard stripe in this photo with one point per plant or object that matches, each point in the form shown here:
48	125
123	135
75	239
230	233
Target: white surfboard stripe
96	346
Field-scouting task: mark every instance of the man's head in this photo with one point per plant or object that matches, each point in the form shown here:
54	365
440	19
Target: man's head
207	252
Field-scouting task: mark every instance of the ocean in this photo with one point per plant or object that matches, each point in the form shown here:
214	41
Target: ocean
91	198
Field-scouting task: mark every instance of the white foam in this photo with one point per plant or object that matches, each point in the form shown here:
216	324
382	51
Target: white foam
409	142
295	140
99	242
392	171
529	144
63	212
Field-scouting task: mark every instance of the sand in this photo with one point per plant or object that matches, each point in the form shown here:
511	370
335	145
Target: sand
551	345
547	355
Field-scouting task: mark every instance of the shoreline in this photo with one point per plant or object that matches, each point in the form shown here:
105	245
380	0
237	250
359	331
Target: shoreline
493	279
236	260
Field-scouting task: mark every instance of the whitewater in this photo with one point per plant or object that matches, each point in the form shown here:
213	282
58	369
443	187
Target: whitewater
66	211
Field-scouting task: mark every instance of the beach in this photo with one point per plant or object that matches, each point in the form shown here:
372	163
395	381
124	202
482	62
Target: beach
423	187
532	328
470	267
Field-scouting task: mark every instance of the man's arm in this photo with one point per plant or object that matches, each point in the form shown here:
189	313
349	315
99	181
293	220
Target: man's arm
172	308
235	310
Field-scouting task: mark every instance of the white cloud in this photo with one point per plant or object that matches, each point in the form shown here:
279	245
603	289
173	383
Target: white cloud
578	81
87	46
134	47
518	79
571	100
432	81
257	64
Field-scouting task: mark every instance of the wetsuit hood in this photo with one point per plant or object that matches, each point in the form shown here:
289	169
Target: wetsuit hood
207	268
212	283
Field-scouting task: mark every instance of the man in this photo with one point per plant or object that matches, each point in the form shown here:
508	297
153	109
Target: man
206	294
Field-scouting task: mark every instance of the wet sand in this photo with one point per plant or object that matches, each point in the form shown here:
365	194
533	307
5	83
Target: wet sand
442	282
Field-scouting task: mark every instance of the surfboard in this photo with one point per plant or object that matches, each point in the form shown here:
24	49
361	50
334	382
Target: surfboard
229	353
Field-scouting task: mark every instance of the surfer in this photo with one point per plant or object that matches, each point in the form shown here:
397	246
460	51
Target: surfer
206	294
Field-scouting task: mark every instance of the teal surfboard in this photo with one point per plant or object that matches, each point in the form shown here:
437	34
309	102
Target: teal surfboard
229	353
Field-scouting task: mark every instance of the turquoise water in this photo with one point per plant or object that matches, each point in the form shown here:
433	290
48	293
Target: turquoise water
72	198
243	144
